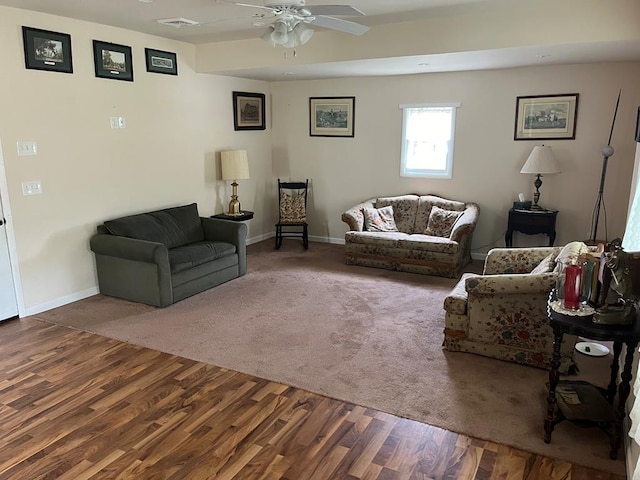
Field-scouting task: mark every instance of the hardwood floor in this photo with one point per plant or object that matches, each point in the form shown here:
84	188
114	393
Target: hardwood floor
74	405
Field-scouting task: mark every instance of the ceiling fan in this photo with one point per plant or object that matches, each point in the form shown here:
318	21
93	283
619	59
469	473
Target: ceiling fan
292	17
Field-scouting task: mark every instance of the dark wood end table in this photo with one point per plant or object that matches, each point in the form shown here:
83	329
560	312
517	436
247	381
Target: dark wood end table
583	326
244	215
531	222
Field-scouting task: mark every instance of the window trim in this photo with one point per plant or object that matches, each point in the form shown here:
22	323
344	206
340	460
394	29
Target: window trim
447	173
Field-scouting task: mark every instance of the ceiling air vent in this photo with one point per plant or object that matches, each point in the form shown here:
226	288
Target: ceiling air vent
178	22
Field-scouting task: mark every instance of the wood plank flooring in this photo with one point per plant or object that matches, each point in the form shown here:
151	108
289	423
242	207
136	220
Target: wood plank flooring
74	405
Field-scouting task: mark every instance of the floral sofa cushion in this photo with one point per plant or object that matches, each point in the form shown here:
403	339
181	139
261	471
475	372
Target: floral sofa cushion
441	221
405	208
379	219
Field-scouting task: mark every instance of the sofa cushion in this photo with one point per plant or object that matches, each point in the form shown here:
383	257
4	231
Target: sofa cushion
379	219
569	254
405	208
292	208
546	265
173	227
194	254
380	239
426	203
441	222
428	243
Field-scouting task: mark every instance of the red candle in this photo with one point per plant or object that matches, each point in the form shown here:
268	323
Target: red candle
572	287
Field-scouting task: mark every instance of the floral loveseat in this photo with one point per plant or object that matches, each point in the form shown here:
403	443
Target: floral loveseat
503	312
411	233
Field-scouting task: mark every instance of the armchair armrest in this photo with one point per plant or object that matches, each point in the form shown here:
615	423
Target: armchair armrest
354	217
130	249
506	284
228	231
466	223
515	260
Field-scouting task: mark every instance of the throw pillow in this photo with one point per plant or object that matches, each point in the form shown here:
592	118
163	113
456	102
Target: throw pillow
545	266
292	208
379	219
441	222
569	254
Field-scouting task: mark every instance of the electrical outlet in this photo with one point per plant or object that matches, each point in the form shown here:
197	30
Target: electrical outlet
122	123
114	122
33	187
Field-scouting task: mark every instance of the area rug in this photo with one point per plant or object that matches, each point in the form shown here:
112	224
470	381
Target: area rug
367	336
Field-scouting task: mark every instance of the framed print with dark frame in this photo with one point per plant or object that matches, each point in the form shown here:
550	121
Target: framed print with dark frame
159	61
331	116
546	117
112	61
45	50
248	111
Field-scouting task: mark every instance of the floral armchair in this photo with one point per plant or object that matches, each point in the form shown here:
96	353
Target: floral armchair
503	312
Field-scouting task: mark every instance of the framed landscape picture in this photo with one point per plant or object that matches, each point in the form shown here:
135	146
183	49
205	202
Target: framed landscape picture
248	111
112	61
159	61
331	116
546	117
45	50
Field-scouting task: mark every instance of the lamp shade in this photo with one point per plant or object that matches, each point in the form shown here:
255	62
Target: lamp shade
541	161
235	165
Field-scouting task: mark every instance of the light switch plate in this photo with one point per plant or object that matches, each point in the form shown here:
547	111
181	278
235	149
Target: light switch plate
33	187
27	148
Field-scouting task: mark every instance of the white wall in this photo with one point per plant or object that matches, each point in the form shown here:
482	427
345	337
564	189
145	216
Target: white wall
166	156
487	160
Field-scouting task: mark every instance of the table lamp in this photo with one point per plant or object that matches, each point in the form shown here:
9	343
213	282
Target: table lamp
540	162
235	166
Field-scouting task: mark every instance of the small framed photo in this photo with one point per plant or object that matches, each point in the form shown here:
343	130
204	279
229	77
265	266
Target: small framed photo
161	62
248	111
546	117
112	61
45	50
331	116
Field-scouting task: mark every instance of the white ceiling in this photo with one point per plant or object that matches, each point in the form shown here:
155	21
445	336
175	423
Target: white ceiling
222	21
218	21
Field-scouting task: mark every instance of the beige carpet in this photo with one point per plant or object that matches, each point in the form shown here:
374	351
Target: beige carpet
367	336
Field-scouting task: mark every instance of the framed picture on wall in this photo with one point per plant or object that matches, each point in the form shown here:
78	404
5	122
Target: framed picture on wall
546	117
248	111
159	61
331	116
112	61
46	50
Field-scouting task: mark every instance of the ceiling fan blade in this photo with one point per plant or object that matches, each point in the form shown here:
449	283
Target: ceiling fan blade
337	10
340	25
229	2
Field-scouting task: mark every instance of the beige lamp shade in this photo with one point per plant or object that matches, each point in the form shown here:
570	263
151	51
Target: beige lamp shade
235	165
541	161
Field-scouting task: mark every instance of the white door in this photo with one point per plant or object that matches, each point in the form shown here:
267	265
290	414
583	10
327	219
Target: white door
8	298
8	301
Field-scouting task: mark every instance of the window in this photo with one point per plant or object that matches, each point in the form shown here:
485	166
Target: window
428	132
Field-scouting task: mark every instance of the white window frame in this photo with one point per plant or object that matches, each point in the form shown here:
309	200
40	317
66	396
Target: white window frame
445	173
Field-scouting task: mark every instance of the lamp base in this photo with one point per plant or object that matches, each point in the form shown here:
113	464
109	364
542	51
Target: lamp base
234	207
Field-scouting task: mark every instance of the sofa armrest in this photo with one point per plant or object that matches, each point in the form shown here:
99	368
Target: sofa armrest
515	260
217	229
130	249
507	284
466	224
354	217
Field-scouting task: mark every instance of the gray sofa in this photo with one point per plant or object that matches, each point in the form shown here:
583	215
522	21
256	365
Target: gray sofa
164	256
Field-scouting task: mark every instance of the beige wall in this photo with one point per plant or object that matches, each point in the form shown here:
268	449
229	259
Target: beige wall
166	156
487	160
175	126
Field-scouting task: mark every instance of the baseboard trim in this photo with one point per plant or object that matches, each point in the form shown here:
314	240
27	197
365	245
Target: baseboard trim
60	301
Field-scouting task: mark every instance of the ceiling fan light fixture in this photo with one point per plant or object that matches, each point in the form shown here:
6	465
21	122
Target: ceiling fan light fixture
303	33
280	35
266	36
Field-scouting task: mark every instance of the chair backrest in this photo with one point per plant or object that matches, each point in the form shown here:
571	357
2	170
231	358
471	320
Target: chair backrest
292	201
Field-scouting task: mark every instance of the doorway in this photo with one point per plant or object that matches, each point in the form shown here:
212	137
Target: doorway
8	260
